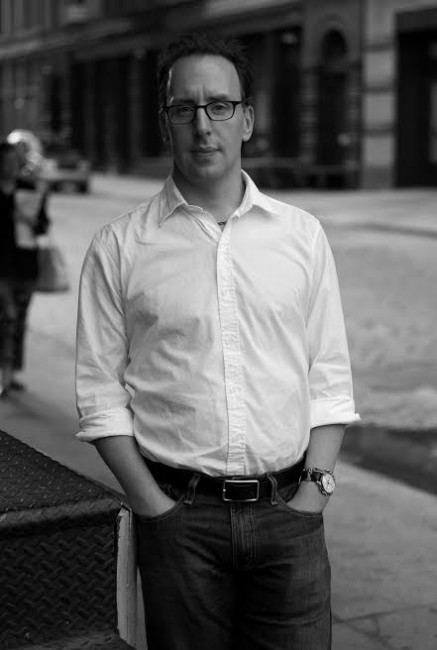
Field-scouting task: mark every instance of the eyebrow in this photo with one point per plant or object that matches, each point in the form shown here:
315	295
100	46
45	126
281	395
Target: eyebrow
210	98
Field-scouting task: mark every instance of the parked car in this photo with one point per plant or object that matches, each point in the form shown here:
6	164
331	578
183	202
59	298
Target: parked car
58	164
65	167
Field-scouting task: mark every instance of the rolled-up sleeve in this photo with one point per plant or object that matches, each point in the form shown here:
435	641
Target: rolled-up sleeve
103	402
330	377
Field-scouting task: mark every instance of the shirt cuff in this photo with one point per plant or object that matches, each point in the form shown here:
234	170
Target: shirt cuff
113	422
332	410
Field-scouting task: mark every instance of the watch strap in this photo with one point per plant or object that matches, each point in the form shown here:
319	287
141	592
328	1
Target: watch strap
316	475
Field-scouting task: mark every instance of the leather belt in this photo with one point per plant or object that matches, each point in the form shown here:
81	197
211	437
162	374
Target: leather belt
229	488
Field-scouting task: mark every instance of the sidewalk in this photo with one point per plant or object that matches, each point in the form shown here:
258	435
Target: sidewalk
382	537
381	534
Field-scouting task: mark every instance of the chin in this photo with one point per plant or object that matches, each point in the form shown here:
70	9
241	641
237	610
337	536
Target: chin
211	172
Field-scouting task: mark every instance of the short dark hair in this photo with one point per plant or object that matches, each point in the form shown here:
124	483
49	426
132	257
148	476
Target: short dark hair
192	44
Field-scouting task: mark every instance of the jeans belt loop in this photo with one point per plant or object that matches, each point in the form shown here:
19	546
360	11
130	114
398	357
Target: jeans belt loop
274	496
191	491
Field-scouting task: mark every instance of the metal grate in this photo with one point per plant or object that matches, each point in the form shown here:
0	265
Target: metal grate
29	479
58	555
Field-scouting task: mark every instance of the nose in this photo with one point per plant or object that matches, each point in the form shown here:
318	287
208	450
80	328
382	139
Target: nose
201	122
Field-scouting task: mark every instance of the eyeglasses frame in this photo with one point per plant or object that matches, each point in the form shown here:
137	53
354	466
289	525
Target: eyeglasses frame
235	103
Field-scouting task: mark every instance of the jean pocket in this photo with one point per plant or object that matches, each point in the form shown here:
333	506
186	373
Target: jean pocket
164	516
305	514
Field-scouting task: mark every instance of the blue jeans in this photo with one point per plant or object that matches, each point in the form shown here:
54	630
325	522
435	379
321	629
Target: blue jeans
234	576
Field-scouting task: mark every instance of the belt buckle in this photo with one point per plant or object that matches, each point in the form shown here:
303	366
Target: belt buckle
240	482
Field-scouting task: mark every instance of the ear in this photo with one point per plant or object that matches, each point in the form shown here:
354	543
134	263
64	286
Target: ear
249	122
163	127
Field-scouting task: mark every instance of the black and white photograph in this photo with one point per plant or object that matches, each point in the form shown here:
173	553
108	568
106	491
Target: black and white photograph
218	340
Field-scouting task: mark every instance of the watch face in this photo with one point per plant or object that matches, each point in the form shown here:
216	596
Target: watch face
328	483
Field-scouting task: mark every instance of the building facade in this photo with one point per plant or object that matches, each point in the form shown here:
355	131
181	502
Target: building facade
400	94
345	91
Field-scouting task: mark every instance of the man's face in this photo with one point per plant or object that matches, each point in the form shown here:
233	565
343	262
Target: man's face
205	151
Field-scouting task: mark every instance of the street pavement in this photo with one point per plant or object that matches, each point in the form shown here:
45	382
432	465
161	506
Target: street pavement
381	533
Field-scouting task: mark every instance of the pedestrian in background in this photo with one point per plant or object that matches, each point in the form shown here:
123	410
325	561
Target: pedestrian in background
20	223
213	377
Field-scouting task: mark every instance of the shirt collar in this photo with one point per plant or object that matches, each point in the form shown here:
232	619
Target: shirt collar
172	199
253	197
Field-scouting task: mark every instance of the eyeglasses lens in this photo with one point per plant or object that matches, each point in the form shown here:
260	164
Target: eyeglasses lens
216	111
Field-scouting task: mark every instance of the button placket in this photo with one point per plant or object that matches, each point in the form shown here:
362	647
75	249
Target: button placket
230	331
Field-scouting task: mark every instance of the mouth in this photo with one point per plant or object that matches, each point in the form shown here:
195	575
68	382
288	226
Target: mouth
204	151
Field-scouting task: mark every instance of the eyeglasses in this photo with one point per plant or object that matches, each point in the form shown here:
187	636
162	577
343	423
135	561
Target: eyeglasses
217	111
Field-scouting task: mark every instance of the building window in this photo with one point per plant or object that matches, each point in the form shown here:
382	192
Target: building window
433	124
32	14
6	8
333	94
16	14
286	93
76	11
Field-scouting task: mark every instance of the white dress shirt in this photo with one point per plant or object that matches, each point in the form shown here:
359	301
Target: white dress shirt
217	350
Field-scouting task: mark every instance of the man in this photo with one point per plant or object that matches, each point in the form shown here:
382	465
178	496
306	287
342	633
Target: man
214	379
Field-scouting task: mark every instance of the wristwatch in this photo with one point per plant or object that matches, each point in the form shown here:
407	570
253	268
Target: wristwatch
324	478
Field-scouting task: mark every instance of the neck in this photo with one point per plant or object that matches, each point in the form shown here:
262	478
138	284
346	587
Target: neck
220	199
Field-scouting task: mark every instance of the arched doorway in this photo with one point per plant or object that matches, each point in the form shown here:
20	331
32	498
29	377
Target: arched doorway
332	106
